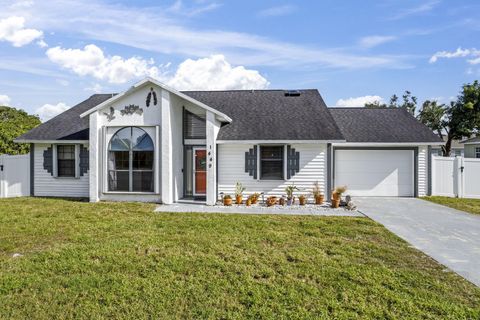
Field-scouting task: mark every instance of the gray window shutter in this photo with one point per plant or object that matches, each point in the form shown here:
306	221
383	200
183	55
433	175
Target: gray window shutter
48	160
84	158
251	162
293	162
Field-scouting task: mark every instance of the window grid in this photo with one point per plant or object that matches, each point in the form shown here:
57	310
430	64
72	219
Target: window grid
131	161
477	152
271	163
66	160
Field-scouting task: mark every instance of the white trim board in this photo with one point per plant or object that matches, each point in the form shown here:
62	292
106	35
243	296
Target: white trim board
51	141
278	141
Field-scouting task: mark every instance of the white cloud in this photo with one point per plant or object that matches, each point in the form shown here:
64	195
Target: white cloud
422	8
12	29
42	44
95	87
202	6
173	35
358	101
91	61
215	73
277	11
459	53
373	41
4	100
48	111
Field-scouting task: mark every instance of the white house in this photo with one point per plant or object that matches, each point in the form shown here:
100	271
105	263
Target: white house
154	143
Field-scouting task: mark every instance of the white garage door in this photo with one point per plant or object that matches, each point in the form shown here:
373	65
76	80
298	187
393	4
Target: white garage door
385	173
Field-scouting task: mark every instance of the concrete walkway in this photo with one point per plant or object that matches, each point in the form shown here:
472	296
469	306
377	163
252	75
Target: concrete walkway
449	236
323	210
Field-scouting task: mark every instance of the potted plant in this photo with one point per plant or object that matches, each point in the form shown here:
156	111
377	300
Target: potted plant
302	199
255	197
271	201
289	190
281	201
337	196
227	200
239	188
248	203
317	193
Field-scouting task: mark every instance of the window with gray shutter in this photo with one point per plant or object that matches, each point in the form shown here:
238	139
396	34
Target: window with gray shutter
194	126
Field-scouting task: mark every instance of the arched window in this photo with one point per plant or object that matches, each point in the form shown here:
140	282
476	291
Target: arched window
130	161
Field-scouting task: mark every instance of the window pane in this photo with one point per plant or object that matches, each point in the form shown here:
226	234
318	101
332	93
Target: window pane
194	126
271	162
271	153
118	180
118	160
130	151
66	160
142	160
141	140
121	140
143	181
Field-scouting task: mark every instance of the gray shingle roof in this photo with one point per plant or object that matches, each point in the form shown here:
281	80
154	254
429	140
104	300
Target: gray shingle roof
67	125
471	140
381	125
270	115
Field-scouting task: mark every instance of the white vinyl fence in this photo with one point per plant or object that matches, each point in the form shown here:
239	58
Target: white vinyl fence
456	177
14	176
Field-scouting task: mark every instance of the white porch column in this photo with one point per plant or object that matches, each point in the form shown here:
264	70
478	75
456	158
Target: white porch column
166	167
213	126
94	153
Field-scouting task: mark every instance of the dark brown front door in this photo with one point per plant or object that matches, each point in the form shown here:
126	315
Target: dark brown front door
200	171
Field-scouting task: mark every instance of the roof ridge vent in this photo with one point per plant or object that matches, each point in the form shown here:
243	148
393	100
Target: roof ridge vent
292	93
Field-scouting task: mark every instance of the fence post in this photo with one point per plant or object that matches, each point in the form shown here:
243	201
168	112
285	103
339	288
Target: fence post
456	180
2	175
461	170
432	173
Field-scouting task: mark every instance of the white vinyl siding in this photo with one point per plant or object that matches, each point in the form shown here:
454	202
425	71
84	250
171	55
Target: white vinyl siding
45	185
231	168
422	167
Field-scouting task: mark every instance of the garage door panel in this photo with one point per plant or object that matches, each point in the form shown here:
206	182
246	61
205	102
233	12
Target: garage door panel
375	172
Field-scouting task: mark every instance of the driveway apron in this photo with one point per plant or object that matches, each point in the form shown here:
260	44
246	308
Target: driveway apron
449	236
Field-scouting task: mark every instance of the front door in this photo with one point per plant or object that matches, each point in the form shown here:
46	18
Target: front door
199	171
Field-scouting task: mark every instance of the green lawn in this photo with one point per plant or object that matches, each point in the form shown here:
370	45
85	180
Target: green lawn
467	205
118	260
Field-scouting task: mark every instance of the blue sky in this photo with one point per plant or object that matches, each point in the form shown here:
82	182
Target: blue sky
54	54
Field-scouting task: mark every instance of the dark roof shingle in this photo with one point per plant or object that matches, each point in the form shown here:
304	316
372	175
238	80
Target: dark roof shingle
270	115
381	125
67	125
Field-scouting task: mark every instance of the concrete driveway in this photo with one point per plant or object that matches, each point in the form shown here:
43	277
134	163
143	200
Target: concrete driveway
449	236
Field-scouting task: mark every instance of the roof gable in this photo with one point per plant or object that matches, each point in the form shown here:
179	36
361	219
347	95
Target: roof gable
151	81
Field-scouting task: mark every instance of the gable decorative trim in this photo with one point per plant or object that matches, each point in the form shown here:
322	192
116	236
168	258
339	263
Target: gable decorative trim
293	162
251	162
110	115
150	95
48	160
84	158
131	109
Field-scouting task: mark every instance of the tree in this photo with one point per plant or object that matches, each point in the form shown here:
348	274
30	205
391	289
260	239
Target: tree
13	123
460	119
409	103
